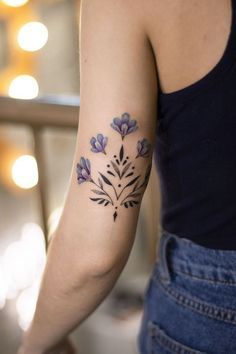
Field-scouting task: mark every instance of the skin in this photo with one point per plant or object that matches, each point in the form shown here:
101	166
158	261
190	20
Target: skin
125	186
118	73
85	258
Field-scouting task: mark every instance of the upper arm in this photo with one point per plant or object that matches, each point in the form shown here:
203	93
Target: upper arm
118	95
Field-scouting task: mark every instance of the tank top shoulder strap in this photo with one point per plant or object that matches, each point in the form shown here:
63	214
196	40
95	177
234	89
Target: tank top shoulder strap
231	45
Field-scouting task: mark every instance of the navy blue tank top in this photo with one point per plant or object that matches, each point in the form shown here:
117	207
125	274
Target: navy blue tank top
195	154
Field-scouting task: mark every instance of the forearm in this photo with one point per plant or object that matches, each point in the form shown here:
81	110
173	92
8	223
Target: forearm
65	298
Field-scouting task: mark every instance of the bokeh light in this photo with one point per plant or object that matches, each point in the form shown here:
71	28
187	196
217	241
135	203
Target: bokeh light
23	260
23	87
26	304
15	3
21	270
15	266
32	36
25	172
3	287
53	220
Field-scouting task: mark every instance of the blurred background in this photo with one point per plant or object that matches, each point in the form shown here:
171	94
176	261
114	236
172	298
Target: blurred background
39	100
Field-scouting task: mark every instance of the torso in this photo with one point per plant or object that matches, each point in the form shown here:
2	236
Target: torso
188	38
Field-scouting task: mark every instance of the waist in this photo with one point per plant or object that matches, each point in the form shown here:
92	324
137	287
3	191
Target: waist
181	255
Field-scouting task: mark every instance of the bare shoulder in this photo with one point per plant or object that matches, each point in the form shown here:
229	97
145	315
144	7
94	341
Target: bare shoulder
187	37
123	14
157	18
126	12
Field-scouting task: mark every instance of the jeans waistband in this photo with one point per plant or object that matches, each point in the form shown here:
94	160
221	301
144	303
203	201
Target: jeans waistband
181	255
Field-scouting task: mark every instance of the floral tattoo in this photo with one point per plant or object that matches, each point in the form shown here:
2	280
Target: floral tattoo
119	169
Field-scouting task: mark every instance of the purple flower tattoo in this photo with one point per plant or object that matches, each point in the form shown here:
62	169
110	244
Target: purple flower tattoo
99	143
124	125
83	170
120	185
143	148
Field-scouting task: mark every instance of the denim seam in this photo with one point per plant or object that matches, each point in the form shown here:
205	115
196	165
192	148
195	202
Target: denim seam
184	264
176	270
200	306
149	340
166	342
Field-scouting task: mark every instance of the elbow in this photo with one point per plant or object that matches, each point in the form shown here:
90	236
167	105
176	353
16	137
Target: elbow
85	273
102	266
100	261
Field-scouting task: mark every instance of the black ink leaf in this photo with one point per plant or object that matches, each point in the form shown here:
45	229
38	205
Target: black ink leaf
121	153
148	171
100	200
105	179
147	175
135	195
135	186
95	199
106	203
100	182
131	203
96	191
130	174
132	181
115	168
125	169
135	201
111	173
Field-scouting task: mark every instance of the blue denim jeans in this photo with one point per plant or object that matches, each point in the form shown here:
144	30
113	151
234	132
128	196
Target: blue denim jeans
190	300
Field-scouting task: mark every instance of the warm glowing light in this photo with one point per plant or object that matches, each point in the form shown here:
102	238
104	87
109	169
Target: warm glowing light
32	36
26	304
25	172
23	262
3	287
54	220
33	237
32	242
24	87
15	3
18	265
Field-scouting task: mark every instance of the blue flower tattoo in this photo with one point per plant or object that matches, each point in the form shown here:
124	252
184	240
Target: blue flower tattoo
83	170
99	143
111	187
143	148
124	125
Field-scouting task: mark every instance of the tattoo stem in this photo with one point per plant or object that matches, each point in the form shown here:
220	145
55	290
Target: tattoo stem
123	190
115	192
134	191
103	191
122	202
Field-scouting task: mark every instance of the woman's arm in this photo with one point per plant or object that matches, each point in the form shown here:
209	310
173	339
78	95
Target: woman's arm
118	92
